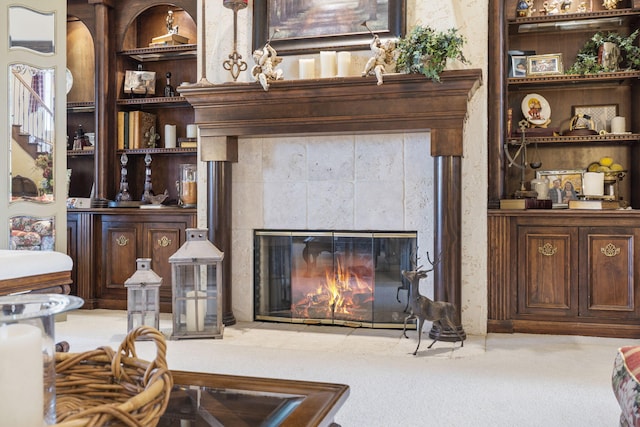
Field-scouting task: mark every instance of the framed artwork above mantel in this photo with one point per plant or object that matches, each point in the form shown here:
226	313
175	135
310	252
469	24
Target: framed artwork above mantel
331	24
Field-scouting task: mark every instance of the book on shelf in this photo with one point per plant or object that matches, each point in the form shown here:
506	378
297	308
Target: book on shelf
594	204
188	142
527	203
140	123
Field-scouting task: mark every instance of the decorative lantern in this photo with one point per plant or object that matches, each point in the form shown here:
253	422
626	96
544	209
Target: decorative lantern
143	296
196	272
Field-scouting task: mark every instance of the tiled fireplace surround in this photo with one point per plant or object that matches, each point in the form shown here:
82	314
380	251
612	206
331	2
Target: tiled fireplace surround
392	163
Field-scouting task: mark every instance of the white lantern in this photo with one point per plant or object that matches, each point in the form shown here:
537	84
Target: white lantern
196	271
143	296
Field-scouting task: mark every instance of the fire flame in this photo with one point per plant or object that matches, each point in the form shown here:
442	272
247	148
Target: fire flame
342	292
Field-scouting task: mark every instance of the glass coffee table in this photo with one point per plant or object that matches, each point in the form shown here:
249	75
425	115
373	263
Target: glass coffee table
204	400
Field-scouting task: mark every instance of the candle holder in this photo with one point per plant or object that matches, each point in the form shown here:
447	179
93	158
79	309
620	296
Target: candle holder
123	195
235	65
148	189
27	351
196	273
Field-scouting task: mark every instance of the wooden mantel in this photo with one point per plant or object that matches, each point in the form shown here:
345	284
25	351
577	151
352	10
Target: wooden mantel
404	103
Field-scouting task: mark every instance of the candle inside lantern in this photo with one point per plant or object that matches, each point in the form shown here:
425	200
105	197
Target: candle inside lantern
195	311
21	370
328	65
344	63
307	68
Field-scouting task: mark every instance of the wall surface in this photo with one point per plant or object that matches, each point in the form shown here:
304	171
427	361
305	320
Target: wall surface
356	182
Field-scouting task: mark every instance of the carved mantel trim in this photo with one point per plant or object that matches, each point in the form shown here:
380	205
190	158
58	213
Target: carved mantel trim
404	103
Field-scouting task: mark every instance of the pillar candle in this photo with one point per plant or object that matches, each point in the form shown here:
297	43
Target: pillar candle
593	184
22	372
169	136
195	318
307	68
192	131
328	64
344	64
618	124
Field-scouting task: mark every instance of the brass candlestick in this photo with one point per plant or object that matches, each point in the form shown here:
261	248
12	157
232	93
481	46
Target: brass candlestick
235	65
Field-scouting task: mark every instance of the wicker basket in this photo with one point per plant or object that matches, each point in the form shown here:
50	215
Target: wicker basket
105	388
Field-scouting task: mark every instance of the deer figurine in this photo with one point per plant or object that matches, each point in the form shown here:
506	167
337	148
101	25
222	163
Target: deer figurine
441	313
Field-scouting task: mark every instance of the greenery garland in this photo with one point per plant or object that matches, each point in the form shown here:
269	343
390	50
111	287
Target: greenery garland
587	58
425	50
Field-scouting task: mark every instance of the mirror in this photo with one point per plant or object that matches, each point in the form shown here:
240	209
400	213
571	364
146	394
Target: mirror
29	29
32	132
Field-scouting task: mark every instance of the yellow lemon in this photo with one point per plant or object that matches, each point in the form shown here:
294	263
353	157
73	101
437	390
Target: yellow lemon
606	161
593	167
616	167
603	169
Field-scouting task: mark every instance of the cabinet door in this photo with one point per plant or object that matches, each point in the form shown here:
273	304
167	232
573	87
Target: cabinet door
547	271
608	274
163	239
120	243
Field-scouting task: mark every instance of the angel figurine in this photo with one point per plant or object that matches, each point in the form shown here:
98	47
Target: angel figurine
265	70
383	59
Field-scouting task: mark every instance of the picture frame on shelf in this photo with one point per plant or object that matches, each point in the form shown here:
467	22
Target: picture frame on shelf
600	114
518	62
386	18
539	65
563	177
140	82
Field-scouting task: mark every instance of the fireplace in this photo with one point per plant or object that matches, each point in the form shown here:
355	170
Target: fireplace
405	103
336	278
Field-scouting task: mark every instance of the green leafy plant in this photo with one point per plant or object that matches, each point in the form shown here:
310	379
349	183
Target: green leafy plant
425	50
587	58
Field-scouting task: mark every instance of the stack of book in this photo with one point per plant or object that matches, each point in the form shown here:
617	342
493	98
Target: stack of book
168	40
526	203
132	127
594	204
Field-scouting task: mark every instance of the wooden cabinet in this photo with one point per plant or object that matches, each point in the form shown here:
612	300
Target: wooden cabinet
105	244
548	276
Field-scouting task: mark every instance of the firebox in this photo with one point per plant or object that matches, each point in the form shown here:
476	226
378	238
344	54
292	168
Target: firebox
337	278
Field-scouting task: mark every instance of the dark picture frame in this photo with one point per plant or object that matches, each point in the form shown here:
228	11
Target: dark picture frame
294	41
517	57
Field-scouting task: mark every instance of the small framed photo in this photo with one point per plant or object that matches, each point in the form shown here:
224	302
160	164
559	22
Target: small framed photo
518	62
140	82
564	185
600	114
538	65
519	66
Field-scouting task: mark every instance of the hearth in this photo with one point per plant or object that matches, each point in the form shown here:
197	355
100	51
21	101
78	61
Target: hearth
335	278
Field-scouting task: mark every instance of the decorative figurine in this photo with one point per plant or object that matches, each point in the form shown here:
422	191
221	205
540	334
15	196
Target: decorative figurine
550	8
565	5
522	9
383	59
265	70
170	28
151	137
582	7
610	4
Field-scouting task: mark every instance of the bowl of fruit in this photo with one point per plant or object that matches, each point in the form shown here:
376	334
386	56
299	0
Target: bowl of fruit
612	171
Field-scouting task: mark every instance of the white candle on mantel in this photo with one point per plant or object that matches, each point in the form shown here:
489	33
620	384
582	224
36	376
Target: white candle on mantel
192	131
22	372
328	64
195	318
307	68
344	64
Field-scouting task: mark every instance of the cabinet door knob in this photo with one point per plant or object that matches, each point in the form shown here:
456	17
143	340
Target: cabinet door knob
122	241
547	249
164	241
610	250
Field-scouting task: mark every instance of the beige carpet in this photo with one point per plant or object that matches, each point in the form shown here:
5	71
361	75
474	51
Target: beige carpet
497	380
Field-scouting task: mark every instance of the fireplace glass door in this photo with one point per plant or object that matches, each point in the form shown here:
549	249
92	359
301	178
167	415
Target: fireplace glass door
338	278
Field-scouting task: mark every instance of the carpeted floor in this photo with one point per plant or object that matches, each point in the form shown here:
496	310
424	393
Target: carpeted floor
498	380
